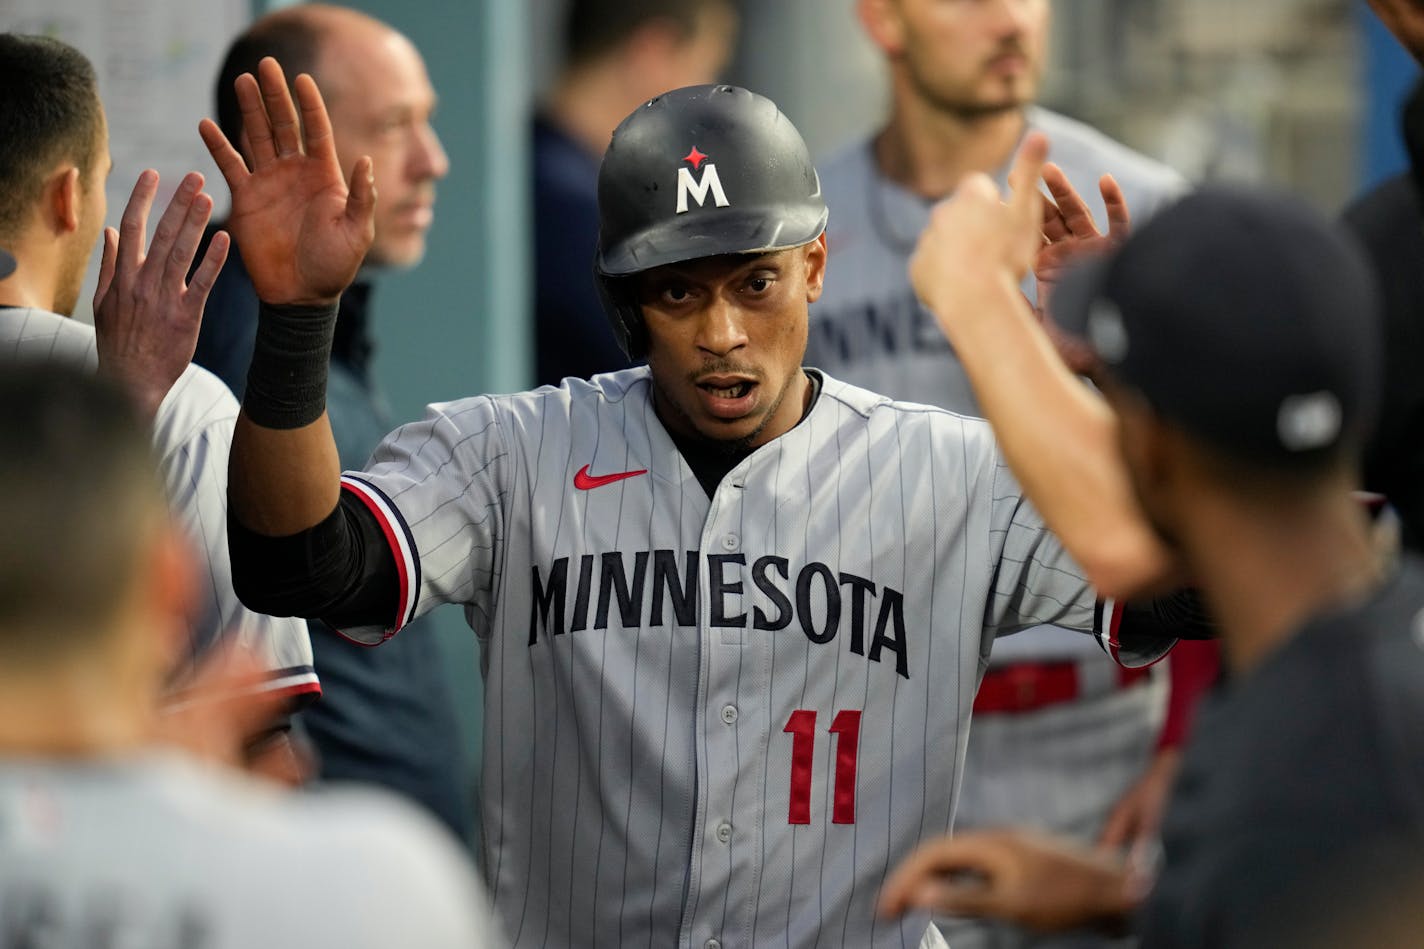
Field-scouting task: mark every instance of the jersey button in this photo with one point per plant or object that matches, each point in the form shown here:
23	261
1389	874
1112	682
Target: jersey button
729	714
724	834
711	944
730	542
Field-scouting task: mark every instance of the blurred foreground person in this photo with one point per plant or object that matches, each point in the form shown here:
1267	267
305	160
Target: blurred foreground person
106	840
1239	347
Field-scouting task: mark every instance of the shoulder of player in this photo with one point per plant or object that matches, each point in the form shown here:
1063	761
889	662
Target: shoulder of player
935	421
33	334
844	172
1082	149
199	411
573	395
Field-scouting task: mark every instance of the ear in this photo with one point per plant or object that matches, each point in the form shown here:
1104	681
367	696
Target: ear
816	253
63	198
884	24
172	590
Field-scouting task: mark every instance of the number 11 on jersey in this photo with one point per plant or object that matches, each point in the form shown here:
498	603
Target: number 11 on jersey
802	728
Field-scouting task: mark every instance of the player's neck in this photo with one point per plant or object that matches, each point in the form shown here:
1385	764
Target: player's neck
927	150
1283	566
77	711
34	282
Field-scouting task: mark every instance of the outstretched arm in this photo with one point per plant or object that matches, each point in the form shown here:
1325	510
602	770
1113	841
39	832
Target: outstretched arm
1057	434
302	232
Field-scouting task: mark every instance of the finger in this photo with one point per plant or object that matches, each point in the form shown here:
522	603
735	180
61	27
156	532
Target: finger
1023	180
171	223
930	862
255	124
281	111
206	275
134	224
361	193
316	123
1119	219
1054	227
1118	829
1076	213
229	161
189	239
106	265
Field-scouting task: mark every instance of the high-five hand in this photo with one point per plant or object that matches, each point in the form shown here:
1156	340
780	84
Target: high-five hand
146	311
301	230
1069	231
977	249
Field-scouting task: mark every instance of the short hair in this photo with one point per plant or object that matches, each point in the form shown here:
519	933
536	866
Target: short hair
290	37
49	113
593	28
80	494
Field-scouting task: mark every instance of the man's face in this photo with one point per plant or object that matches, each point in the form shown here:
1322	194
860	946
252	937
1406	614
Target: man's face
93	207
725	340
973	57
381	103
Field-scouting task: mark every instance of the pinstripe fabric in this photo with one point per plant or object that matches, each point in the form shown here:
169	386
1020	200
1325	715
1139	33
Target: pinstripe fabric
192	435
646	648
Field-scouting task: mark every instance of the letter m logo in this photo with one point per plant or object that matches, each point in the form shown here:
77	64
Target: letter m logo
687	185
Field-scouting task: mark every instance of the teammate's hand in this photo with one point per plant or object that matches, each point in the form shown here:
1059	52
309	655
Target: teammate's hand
976	249
1021	877
146	311
301	230
1137	816
1069	231
217	712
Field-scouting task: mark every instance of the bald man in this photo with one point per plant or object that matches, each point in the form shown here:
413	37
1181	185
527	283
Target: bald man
387	716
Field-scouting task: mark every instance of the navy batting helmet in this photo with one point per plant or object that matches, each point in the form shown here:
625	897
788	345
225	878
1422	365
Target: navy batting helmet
699	172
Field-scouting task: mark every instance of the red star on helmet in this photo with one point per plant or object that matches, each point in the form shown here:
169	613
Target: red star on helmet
696	157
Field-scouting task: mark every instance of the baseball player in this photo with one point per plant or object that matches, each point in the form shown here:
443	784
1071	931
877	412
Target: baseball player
51	213
1062	735
1239	341
106	841
720	597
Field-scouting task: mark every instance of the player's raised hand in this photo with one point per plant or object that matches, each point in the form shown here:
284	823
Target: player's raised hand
1069	231
146	311
1022	877
302	229
976	246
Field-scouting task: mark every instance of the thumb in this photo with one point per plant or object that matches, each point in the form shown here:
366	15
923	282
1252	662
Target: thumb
361	193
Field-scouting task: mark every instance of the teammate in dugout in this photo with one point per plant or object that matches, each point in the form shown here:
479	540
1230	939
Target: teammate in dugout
731	609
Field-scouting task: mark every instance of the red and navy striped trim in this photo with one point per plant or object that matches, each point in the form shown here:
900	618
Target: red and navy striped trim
401	541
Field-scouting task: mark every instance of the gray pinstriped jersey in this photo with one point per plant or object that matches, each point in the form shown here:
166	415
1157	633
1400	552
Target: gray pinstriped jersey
710	722
192	435
869	329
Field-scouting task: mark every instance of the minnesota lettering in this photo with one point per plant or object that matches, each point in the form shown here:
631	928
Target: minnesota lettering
662	585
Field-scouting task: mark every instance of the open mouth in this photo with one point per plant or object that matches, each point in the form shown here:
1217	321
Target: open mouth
734	391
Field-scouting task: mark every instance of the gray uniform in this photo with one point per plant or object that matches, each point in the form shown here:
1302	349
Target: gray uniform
192	434
1063	767
715	722
158	853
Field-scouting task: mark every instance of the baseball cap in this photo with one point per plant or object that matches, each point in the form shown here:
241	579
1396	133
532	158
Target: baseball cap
1244	318
7	264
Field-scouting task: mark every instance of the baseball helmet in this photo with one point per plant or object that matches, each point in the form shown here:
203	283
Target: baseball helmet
698	172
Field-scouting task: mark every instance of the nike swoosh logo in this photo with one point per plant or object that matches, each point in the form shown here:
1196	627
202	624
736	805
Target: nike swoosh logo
587	482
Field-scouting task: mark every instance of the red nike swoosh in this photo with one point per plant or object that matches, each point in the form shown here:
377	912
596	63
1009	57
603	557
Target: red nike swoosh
585	481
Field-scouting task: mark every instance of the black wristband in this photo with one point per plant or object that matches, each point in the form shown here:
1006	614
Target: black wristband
286	382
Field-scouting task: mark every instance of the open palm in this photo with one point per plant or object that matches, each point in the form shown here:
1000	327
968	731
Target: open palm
301	230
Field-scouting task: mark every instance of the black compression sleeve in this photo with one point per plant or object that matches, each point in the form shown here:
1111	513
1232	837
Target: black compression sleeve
342	570
1181	614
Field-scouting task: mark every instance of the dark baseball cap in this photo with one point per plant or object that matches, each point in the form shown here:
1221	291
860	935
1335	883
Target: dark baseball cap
1243	317
7	264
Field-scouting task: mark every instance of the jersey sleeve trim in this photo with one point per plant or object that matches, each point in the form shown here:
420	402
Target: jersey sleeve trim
401	541
292	681
1107	624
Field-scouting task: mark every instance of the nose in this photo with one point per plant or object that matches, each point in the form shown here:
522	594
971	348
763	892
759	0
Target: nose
721	329
1011	17
428	160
